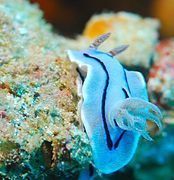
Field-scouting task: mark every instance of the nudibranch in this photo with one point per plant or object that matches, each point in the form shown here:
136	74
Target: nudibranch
114	108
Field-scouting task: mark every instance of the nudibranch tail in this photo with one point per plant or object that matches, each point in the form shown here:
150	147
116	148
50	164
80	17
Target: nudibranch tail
100	40
132	114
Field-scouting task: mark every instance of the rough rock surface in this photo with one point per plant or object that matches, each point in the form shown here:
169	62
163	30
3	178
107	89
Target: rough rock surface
39	126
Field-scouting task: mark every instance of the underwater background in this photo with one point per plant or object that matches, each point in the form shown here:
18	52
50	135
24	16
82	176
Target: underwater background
41	135
69	17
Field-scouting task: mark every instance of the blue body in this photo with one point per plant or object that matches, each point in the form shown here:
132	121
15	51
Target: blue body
107	82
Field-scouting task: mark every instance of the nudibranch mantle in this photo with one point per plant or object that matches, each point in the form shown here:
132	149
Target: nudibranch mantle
114	108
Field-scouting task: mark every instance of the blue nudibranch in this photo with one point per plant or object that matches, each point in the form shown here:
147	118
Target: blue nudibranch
114	108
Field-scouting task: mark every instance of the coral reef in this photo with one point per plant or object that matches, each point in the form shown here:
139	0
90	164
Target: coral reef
161	79
41	135
39	125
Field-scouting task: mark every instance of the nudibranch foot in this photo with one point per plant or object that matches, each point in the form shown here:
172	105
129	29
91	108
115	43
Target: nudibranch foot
132	114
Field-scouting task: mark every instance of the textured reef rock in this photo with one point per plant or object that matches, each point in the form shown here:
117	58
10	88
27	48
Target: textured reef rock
39	126
141	34
161	78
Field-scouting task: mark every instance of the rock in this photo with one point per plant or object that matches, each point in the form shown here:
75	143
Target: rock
40	131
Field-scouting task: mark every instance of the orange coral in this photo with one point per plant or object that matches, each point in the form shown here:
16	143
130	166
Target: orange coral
98	27
102	25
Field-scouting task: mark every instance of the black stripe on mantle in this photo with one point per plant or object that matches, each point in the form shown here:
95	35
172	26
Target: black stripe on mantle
108	137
